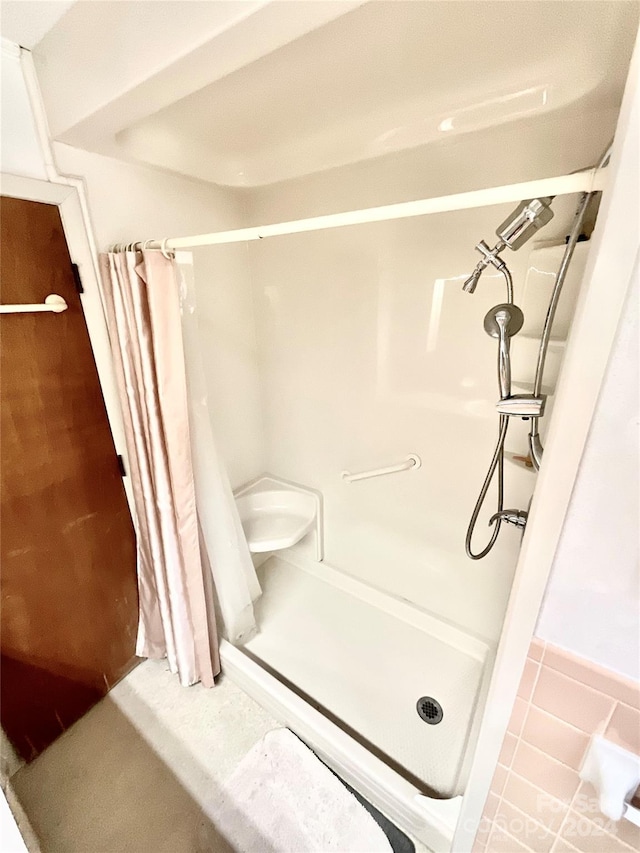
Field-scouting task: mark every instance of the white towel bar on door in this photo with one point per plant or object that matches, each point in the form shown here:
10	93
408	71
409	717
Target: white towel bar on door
411	462
53	303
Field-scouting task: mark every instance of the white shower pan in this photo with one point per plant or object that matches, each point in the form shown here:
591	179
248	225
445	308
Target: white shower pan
277	514
345	666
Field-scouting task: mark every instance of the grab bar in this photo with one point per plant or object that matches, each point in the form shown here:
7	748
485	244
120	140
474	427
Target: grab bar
53	302
411	462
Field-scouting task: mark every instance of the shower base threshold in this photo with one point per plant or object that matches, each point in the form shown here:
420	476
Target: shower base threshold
344	666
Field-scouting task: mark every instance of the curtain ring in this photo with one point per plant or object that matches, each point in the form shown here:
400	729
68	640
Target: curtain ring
145	244
166	252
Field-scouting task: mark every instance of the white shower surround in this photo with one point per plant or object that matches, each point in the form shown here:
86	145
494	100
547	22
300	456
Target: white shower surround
370	350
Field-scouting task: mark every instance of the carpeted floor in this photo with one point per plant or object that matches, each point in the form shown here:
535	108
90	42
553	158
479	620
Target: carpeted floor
135	775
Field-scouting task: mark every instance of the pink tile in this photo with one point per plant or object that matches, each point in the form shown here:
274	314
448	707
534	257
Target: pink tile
559	740
624	728
523	828
500	842
528	680
536	649
520	708
590	837
610	683
478	846
582	707
491	806
536	803
556	779
499	778
585	803
508	748
484	831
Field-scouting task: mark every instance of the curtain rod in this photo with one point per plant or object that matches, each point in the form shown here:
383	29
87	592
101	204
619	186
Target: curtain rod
591	180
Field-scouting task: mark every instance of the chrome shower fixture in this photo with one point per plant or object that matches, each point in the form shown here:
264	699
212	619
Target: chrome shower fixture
525	220
516	229
490	256
503	322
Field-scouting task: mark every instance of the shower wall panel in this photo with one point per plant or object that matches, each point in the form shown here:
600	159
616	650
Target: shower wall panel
370	351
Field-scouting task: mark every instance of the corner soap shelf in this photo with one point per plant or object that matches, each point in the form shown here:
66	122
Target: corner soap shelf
277	514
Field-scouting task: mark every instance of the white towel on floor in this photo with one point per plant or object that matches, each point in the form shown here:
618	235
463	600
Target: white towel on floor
282	799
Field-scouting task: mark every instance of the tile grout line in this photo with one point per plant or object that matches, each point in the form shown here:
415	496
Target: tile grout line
544	828
550	757
608	719
518	737
584	684
512	838
564	722
564	841
539	789
585	663
566	805
595	825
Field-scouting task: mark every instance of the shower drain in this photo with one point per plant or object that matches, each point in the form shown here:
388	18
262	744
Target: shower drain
429	709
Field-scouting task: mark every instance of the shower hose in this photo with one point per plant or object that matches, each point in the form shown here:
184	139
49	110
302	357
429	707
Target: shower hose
497	462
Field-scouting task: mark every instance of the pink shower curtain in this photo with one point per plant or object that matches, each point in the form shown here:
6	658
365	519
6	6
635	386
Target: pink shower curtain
143	316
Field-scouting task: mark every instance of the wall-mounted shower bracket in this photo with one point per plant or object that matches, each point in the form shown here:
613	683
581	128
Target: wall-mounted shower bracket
517	517
522	406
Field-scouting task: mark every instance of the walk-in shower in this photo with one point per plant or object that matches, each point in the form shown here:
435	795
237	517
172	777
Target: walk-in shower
338	348
503	322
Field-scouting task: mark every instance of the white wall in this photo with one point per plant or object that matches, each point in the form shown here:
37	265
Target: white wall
20	151
592	602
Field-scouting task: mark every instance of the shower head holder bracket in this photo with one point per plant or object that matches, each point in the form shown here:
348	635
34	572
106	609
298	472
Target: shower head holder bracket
522	406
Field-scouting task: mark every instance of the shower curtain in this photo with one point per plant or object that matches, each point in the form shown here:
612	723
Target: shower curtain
236	582
177	619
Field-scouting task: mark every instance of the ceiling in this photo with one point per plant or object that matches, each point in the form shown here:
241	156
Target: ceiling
251	92
26	22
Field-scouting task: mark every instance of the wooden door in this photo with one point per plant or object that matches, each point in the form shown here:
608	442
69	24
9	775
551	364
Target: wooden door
68	580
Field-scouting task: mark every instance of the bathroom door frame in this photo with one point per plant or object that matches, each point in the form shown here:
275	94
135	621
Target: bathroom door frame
67	194
611	267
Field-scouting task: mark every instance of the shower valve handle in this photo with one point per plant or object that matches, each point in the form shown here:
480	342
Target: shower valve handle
491	256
